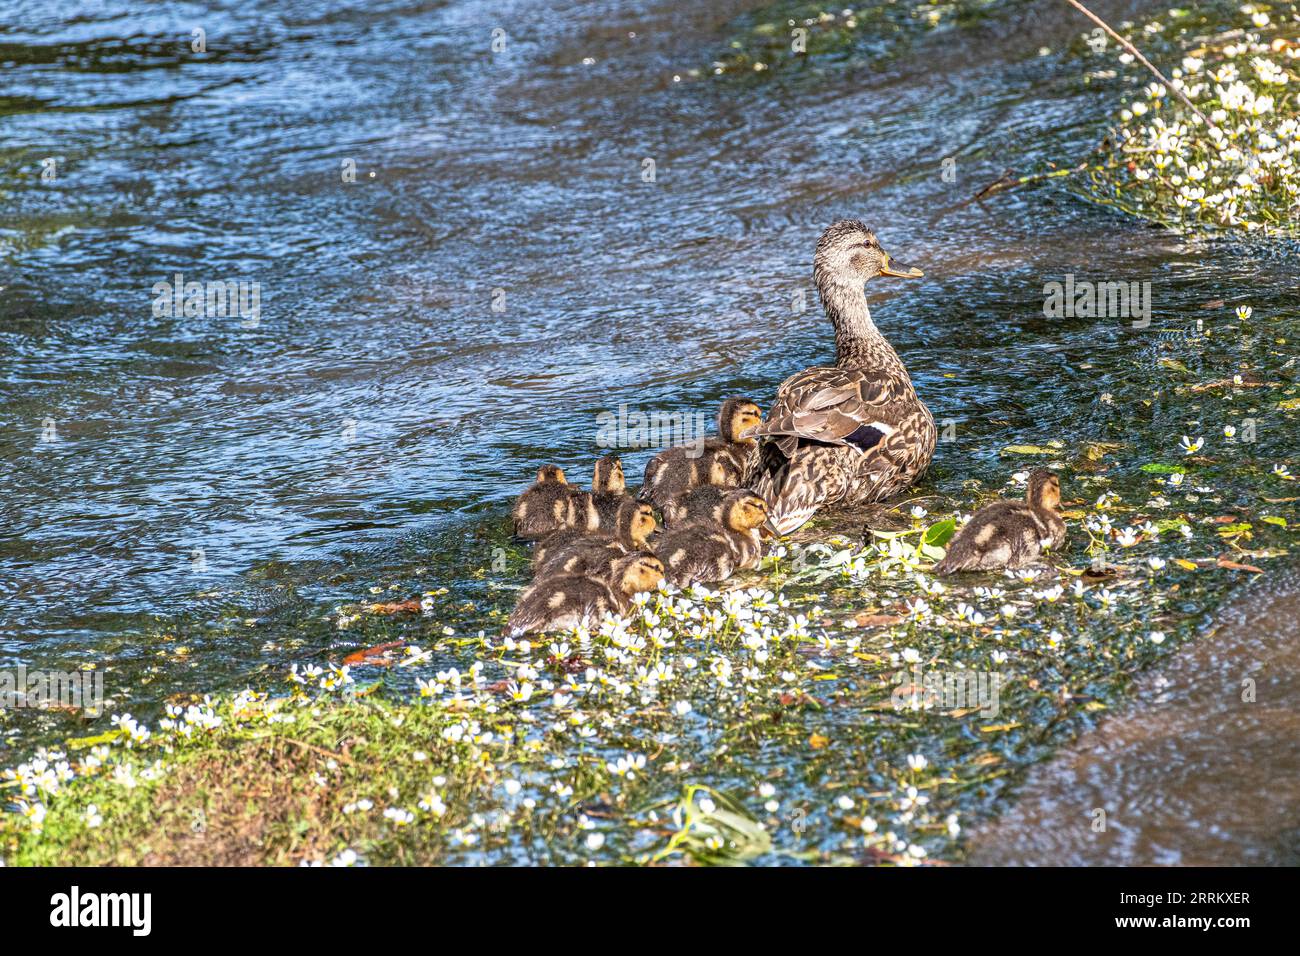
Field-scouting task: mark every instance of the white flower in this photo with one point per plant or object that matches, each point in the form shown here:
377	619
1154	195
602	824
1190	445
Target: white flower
917	762
1244	312
1156	637
595	841
1191	446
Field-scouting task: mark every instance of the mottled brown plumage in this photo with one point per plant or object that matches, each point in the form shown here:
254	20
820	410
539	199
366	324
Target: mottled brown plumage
853	432
568	601
1010	534
725	461
710	550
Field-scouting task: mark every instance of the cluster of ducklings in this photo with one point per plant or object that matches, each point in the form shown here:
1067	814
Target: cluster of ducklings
595	550
849	433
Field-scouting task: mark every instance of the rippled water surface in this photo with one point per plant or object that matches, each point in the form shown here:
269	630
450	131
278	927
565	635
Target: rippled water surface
174	480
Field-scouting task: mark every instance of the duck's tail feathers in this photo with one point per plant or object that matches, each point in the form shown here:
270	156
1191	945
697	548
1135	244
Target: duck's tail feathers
785	483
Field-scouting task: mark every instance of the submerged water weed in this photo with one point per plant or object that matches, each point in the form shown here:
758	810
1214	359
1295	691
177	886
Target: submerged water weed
785	35
1242	70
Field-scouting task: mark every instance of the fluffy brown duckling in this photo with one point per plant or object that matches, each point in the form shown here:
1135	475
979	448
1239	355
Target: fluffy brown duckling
558	603
608	490
710	550
581	552
548	505
1010	534
726	460
704	503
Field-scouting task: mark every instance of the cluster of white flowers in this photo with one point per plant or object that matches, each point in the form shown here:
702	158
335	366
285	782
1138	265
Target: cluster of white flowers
1240	172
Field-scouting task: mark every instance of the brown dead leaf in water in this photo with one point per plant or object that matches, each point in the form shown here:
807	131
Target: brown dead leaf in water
378	656
877	620
1226	383
1225	562
1213	304
411	606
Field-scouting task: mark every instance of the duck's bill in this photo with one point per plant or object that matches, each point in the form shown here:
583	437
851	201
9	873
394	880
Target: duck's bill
899	271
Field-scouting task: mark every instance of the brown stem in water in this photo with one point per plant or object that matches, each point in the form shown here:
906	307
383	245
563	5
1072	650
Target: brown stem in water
1143	60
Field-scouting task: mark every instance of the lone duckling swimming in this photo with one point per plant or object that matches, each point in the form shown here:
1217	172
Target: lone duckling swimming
853	432
580	552
710	550
608	491
1010	534
548	505
567	601
726	460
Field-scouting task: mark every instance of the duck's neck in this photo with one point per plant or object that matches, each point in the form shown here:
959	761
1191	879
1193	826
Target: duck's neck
857	340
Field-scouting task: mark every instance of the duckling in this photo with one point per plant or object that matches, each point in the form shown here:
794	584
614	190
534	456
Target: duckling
1010	534
580	552
569	601
726	460
548	505
710	550
705	503
608	490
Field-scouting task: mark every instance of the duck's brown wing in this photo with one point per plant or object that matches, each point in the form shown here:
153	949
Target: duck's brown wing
835	406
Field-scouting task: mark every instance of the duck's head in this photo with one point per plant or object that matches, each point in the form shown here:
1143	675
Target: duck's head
1044	489
608	475
637	572
849	250
744	511
737	416
636	522
551	475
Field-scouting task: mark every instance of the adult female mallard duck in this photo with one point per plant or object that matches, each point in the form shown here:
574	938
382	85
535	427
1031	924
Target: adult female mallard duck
1010	534
851	432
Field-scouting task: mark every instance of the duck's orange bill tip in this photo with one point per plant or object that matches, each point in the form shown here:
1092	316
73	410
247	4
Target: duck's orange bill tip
891	268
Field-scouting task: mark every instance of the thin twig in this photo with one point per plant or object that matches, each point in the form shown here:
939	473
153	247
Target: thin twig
1143	60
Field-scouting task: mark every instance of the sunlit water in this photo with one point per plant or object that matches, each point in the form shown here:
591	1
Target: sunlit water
499	274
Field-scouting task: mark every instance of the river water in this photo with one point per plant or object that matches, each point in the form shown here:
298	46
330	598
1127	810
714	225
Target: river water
499	274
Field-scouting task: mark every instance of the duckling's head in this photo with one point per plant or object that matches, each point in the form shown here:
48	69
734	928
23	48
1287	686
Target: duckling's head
551	474
737	416
608	475
850	251
1044	490
636	521
744	511
637	572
